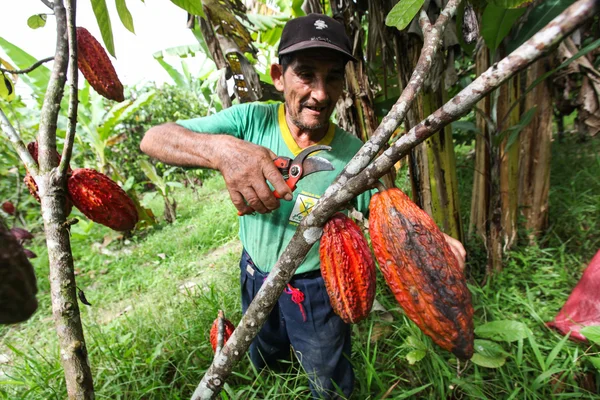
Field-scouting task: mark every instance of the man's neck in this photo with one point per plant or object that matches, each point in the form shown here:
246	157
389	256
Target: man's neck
303	137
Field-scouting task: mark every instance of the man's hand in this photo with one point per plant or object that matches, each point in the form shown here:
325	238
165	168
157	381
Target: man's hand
246	167
458	250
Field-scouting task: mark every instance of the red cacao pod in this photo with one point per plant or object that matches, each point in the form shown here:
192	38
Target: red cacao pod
348	269
214	331
8	207
100	199
30	182
94	64
421	270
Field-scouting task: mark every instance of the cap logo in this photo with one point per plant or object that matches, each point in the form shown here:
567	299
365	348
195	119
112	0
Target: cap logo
320	24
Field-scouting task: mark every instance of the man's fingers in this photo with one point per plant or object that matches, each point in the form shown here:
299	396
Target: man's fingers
274	176
238	201
254	201
458	249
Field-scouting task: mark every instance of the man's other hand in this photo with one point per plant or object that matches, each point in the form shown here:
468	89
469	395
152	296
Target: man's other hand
458	250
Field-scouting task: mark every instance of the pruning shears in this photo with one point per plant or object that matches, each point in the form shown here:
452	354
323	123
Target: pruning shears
294	169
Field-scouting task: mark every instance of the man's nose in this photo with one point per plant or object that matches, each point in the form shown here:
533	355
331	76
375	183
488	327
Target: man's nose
319	90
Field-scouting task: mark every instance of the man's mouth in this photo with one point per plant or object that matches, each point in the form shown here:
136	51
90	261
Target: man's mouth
316	109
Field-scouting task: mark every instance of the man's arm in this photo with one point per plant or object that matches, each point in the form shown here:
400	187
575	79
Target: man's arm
245	166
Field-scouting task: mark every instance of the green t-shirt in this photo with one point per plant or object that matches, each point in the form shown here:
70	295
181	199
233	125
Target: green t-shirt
265	236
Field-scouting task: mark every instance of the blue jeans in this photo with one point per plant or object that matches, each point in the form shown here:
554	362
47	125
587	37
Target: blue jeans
319	338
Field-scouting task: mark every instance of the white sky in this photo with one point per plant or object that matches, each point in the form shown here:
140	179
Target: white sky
159	24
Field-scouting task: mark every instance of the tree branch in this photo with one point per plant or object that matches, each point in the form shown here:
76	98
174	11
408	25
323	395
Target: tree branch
73	99
344	189
26	70
65	308
19	146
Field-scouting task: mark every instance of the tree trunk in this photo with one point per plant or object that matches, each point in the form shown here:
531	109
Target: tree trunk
433	162
534	165
355	109
509	162
480	197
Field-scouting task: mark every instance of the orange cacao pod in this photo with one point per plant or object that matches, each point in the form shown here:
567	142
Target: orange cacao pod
101	199
214	331
94	64
347	268
421	270
30	182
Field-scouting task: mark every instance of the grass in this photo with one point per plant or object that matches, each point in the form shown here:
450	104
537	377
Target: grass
155	295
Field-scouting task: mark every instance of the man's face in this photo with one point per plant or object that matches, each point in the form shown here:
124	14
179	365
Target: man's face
311	85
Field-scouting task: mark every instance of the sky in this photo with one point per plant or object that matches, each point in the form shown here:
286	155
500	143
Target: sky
159	24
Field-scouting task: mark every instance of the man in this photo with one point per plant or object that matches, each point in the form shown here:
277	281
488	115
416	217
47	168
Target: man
241	143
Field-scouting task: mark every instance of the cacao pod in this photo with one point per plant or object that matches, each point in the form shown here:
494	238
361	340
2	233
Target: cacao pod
30	182
17	280
101	199
8	207
422	271
214	332
94	64
348	269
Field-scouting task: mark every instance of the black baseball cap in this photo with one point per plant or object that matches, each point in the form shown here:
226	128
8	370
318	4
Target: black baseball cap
315	31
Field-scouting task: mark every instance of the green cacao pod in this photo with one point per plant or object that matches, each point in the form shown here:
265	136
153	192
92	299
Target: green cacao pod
348	269
422	271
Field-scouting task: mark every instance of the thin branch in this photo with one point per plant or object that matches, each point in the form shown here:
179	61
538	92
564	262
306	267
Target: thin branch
310	229
26	70
19	146
48	4
47	157
73	99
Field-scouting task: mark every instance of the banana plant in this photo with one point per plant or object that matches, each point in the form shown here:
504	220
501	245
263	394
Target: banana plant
163	188
97	124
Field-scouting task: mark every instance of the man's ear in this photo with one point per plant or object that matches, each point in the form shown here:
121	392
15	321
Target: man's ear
277	76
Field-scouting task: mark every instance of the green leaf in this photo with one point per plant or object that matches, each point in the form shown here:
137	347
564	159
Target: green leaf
488	354
591	333
403	12
539	17
496	23
415	343
415	356
595	362
503	331
37	21
125	15
101	13
194	7
150	172
37	79
510	3
466	126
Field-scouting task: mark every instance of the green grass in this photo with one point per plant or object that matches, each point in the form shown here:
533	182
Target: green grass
156	294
